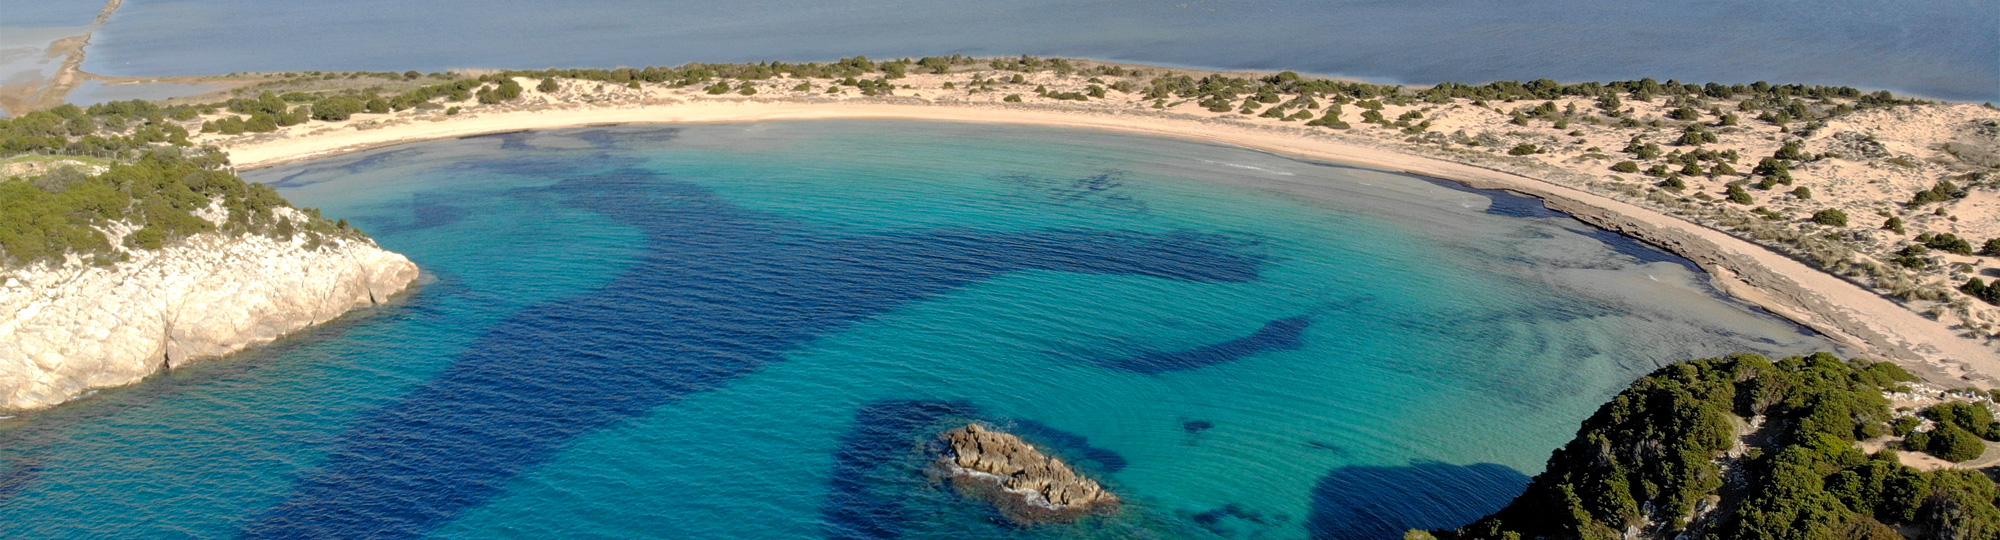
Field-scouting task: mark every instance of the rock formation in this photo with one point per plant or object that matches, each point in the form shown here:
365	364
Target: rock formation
1027	485
70	328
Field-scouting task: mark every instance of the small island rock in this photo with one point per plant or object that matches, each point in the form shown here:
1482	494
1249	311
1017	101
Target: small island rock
1027	485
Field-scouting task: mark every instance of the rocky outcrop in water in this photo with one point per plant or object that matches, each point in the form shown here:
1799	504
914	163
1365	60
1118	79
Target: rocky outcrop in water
67	329
1027	485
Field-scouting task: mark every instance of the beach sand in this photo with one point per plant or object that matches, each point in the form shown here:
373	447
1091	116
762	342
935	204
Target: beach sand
1842	310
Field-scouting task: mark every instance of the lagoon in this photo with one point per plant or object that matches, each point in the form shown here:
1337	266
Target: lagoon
749	330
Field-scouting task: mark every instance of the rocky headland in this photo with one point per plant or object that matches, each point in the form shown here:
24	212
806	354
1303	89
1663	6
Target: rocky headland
1026	484
69	327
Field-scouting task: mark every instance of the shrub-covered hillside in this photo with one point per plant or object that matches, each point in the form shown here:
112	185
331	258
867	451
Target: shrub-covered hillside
1744	447
76	180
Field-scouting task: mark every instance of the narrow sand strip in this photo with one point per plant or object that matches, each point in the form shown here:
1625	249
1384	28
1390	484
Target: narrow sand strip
1842	310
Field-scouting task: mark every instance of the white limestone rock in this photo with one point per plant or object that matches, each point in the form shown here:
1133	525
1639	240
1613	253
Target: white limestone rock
69	329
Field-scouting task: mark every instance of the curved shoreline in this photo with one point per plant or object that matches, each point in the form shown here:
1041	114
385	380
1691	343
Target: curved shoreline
1841	310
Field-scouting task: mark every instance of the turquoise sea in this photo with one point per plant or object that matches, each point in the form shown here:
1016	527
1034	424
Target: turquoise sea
754	331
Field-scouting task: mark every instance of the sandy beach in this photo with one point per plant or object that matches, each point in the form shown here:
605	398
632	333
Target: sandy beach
1842	310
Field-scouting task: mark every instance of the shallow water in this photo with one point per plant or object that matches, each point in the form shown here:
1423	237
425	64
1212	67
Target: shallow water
1938	48
751	331
95	92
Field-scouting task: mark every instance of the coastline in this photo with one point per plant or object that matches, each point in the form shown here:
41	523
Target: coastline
1837	308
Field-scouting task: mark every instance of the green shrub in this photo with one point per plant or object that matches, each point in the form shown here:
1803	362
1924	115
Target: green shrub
1802	193
1944	190
1791	151
1652	452
1946	242
1914	256
1740	196
1992	247
548	85
1978	288
1696	136
1641	149
1954	444
1524	149
1972	417
1831	217
337	108
1904	426
1625	167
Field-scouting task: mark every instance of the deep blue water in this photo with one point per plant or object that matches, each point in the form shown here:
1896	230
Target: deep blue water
1940	48
758	330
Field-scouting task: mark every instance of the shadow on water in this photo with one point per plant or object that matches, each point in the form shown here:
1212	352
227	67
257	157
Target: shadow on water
875	461
17	476
1073	447
718	293
1378	503
1279	335
1103	190
879	470
426	211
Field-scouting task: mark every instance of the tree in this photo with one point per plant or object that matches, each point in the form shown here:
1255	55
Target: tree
1831	216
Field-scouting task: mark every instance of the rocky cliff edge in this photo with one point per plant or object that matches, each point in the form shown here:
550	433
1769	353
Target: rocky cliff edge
67	329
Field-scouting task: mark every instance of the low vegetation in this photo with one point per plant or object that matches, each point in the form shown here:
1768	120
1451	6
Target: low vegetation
1749	448
150	188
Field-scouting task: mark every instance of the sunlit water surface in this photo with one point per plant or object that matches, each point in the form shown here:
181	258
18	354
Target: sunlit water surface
753	331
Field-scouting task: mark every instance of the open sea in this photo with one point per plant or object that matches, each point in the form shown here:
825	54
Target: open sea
1947	49
755	330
